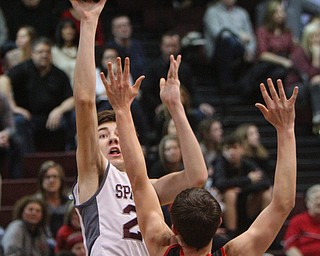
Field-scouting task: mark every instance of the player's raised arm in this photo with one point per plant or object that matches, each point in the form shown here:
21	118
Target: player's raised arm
280	112
195	173
90	161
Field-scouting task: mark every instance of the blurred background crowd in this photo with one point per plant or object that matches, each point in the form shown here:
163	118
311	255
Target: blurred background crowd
228	48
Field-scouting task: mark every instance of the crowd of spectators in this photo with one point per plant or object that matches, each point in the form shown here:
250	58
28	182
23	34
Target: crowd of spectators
38	47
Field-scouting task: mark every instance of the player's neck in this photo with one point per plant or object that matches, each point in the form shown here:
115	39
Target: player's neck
190	251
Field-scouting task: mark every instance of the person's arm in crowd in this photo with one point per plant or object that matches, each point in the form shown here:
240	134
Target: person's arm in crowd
6	89
55	116
7	122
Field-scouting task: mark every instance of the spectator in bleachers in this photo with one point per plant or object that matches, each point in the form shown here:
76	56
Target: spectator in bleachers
210	136
71	225
245	187
35	13
230	41
40	96
22	52
108	54
299	12
75	244
302	236
274	46
306	63
25	235
170	160
169	44
64	50
126	45
170	157
71	14
253	148
52	190
10	146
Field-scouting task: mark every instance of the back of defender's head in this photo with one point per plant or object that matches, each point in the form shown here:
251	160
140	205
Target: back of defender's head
196	215
106	116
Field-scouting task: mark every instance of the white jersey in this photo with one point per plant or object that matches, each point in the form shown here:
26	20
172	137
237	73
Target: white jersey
108	219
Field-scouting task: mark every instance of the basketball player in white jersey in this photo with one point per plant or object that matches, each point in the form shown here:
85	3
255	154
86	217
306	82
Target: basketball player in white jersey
103	195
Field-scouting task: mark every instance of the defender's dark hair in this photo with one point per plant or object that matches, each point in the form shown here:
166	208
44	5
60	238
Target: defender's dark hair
196	215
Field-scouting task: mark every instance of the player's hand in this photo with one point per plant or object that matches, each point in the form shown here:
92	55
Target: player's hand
278	110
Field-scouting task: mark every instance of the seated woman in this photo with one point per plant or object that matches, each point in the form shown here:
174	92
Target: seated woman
170	157
25	235
22	52
303	233
64	51
274	45
250	138
52	189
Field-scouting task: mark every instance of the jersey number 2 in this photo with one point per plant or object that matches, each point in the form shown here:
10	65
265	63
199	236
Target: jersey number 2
130	224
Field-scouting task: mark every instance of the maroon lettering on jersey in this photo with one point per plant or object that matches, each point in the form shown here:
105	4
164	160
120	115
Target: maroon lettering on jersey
123	192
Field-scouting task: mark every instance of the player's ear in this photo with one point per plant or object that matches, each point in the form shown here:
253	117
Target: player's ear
220	221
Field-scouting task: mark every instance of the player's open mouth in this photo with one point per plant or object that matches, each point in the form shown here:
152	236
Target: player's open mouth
114	151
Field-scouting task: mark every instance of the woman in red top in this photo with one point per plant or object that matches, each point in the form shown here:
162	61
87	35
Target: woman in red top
274	45
302	237
274	40
71	225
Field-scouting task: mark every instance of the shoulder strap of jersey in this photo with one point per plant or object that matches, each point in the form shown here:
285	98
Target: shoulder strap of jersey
219	252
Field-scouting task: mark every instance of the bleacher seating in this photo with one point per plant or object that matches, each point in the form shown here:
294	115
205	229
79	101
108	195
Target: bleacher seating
33	161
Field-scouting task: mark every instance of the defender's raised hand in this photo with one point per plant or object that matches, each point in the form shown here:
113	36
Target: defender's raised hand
278	110
170	88
120	92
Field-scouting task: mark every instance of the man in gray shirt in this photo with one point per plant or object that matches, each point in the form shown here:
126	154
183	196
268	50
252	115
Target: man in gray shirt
230	38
